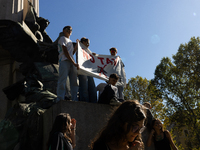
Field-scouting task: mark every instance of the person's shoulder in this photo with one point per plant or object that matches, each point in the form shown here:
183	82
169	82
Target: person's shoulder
60	134
167	133
62	37
101	85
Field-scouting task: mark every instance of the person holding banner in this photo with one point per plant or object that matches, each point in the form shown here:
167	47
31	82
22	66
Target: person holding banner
87	88
67	65
121	84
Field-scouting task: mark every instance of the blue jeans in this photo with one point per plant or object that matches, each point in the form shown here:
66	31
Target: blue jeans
66	68
87	89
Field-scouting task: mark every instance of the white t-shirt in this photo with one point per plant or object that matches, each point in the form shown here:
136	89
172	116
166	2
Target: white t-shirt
67	43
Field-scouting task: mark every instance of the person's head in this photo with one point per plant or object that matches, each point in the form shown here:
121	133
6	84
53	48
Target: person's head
113	51
125	124
85	41
147	104
62	124
67	30
157	124
113	78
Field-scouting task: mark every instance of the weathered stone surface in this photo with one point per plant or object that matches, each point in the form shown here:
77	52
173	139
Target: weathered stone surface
90	117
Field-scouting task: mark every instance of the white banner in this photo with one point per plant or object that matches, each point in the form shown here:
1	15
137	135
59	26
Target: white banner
100	66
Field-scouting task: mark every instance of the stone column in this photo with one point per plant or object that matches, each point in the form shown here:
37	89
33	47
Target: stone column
13	9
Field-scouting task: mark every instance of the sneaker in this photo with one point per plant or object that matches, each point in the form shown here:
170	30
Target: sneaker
115	102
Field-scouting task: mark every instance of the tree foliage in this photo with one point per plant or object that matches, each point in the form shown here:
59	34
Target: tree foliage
178	82
142	90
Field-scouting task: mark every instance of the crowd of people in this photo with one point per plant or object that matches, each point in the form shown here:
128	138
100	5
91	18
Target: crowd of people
85	89
123	131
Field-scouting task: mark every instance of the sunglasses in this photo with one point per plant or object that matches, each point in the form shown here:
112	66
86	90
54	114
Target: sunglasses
137	129
113	51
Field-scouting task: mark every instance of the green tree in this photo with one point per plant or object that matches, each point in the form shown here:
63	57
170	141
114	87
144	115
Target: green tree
178	83
142	90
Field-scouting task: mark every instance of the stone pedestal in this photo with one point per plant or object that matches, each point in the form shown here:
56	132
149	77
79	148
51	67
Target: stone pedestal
90	117
14	10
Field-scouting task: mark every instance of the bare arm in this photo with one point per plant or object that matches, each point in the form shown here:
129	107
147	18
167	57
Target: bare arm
69	57
150	139
73	132
168	135
76	46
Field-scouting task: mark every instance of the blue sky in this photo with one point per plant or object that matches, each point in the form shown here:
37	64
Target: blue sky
143	31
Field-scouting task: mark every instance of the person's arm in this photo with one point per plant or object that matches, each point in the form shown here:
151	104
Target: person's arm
168	135
69	57
73	132
111	92
150	139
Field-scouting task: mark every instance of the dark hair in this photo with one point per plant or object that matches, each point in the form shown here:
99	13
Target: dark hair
67	27
153	122
114	75
113	48
84	39
129	112
61	124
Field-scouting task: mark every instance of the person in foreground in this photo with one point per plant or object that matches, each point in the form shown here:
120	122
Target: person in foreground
62	135
162	139
123	130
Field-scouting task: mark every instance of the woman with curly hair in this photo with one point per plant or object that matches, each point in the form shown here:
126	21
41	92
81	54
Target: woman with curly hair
162	139
62	135
123	130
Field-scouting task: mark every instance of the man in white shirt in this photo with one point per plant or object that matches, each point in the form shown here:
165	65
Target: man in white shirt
67	65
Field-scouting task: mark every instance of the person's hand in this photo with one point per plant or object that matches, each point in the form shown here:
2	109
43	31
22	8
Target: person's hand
77	40
137	145
77	66
94	54
73	124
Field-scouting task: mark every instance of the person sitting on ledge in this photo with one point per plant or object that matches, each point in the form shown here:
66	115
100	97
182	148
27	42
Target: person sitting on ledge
109	94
